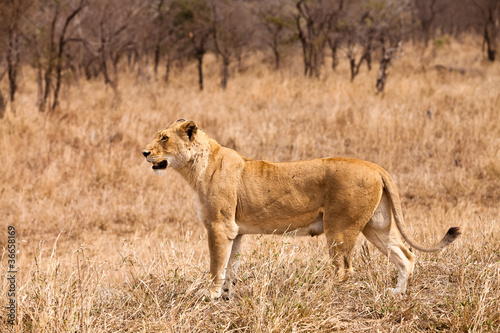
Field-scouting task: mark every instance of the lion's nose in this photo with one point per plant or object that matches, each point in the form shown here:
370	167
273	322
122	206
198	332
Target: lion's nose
146	153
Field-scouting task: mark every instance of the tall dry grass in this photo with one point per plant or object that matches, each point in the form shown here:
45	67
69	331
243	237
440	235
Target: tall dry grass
105	245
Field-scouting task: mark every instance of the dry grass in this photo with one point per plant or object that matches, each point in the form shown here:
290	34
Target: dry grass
105	245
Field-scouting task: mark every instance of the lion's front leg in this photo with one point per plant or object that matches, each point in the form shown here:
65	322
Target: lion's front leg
220	246
232	267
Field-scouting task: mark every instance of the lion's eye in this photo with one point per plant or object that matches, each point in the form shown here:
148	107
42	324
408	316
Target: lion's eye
164	138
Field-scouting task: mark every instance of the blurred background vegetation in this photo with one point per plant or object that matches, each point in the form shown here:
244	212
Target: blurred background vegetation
64	41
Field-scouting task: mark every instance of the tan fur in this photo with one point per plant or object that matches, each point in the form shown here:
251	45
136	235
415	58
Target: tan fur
340	197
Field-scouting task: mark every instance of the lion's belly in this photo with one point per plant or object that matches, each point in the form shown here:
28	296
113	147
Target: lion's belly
305	225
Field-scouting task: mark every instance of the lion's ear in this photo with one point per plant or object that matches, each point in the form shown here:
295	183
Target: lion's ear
190	128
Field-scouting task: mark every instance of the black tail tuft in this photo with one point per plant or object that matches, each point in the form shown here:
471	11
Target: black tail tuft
454	232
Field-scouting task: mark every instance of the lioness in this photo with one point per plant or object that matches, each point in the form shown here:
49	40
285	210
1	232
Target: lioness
340	197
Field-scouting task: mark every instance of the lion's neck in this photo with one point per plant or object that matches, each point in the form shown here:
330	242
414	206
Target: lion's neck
194	170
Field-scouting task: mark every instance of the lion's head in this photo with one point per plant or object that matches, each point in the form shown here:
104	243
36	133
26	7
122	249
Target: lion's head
171	146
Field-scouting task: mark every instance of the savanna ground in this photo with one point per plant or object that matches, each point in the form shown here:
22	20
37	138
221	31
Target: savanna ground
106	245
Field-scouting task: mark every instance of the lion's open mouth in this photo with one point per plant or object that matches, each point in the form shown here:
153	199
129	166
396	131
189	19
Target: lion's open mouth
160	165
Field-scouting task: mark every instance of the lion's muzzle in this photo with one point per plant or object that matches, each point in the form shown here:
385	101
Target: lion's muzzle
160	165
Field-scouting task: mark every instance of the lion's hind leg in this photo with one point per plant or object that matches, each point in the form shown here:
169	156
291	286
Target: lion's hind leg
381	230
341	253
341	238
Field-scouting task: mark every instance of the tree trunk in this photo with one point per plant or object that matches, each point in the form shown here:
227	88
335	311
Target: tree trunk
426	29
317	58
13	62
303	42
87	71
157	58
160	37
276	58
2	105
307	60
239	59
382	72
490	36
368	57
225	71
333	47
168	68
200	69
103	56
39	82
60	53
352	63
50	68
387	55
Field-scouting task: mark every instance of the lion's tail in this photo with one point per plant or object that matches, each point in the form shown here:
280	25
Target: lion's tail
392	192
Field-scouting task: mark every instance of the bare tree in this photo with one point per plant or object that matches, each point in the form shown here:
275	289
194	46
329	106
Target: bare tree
11	26
193	21
388	54
13	49
231	33
111	30
360	31
161	33
2	99
336	32
425	13
276	17
60	50
490	14
311	22
161	12
361	35
2	105
389	23
55	19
